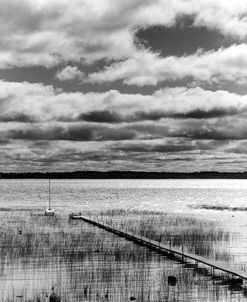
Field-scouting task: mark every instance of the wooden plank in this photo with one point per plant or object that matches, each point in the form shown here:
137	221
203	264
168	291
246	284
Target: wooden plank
165	248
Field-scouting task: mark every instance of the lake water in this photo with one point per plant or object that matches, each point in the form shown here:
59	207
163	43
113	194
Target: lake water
165	195
222	201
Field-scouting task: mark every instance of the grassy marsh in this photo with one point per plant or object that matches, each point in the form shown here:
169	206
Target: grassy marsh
84	263
202	237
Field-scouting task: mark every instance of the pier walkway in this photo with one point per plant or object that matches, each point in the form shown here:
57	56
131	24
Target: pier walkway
160	247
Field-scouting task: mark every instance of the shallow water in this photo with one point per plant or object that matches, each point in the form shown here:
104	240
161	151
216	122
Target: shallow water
222	201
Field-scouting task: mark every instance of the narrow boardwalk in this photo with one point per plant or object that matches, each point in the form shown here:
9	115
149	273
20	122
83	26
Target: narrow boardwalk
155	245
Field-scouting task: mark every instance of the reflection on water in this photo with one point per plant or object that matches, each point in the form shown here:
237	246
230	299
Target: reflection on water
83	263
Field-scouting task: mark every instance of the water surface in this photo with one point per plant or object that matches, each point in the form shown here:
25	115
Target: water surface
222	201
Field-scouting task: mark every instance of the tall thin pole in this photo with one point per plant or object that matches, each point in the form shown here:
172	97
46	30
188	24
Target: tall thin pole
49	193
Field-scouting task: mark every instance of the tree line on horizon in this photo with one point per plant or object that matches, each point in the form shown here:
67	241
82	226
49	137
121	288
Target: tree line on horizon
122	175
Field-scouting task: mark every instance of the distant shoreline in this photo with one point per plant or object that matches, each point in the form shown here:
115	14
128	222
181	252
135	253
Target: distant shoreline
125	175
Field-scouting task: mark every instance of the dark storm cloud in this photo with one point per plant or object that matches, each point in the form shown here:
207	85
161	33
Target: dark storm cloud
117	134
218	129
192	129
202	114
213	132
17	117
162	148
99	133
4	141
173	148
104	116
34	132
70	132
78	133
114	117
111	117
193	114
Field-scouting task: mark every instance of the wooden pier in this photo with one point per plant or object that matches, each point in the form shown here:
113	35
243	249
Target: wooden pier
162	248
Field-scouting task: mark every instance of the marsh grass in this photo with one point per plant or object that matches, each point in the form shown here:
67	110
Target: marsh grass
84	263
202	237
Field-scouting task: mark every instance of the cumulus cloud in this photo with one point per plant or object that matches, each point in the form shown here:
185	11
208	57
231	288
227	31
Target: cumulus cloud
38	103
70	73
50	31
146	68
42	126
185	121
124	155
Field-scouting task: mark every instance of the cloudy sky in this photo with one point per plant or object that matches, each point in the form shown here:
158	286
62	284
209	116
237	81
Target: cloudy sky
147	85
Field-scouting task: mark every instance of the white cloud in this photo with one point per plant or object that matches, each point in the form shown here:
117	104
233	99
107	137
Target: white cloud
43	128
70	73
25	102
146	68
50	31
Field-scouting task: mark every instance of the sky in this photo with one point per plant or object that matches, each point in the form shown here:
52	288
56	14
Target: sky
141	85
